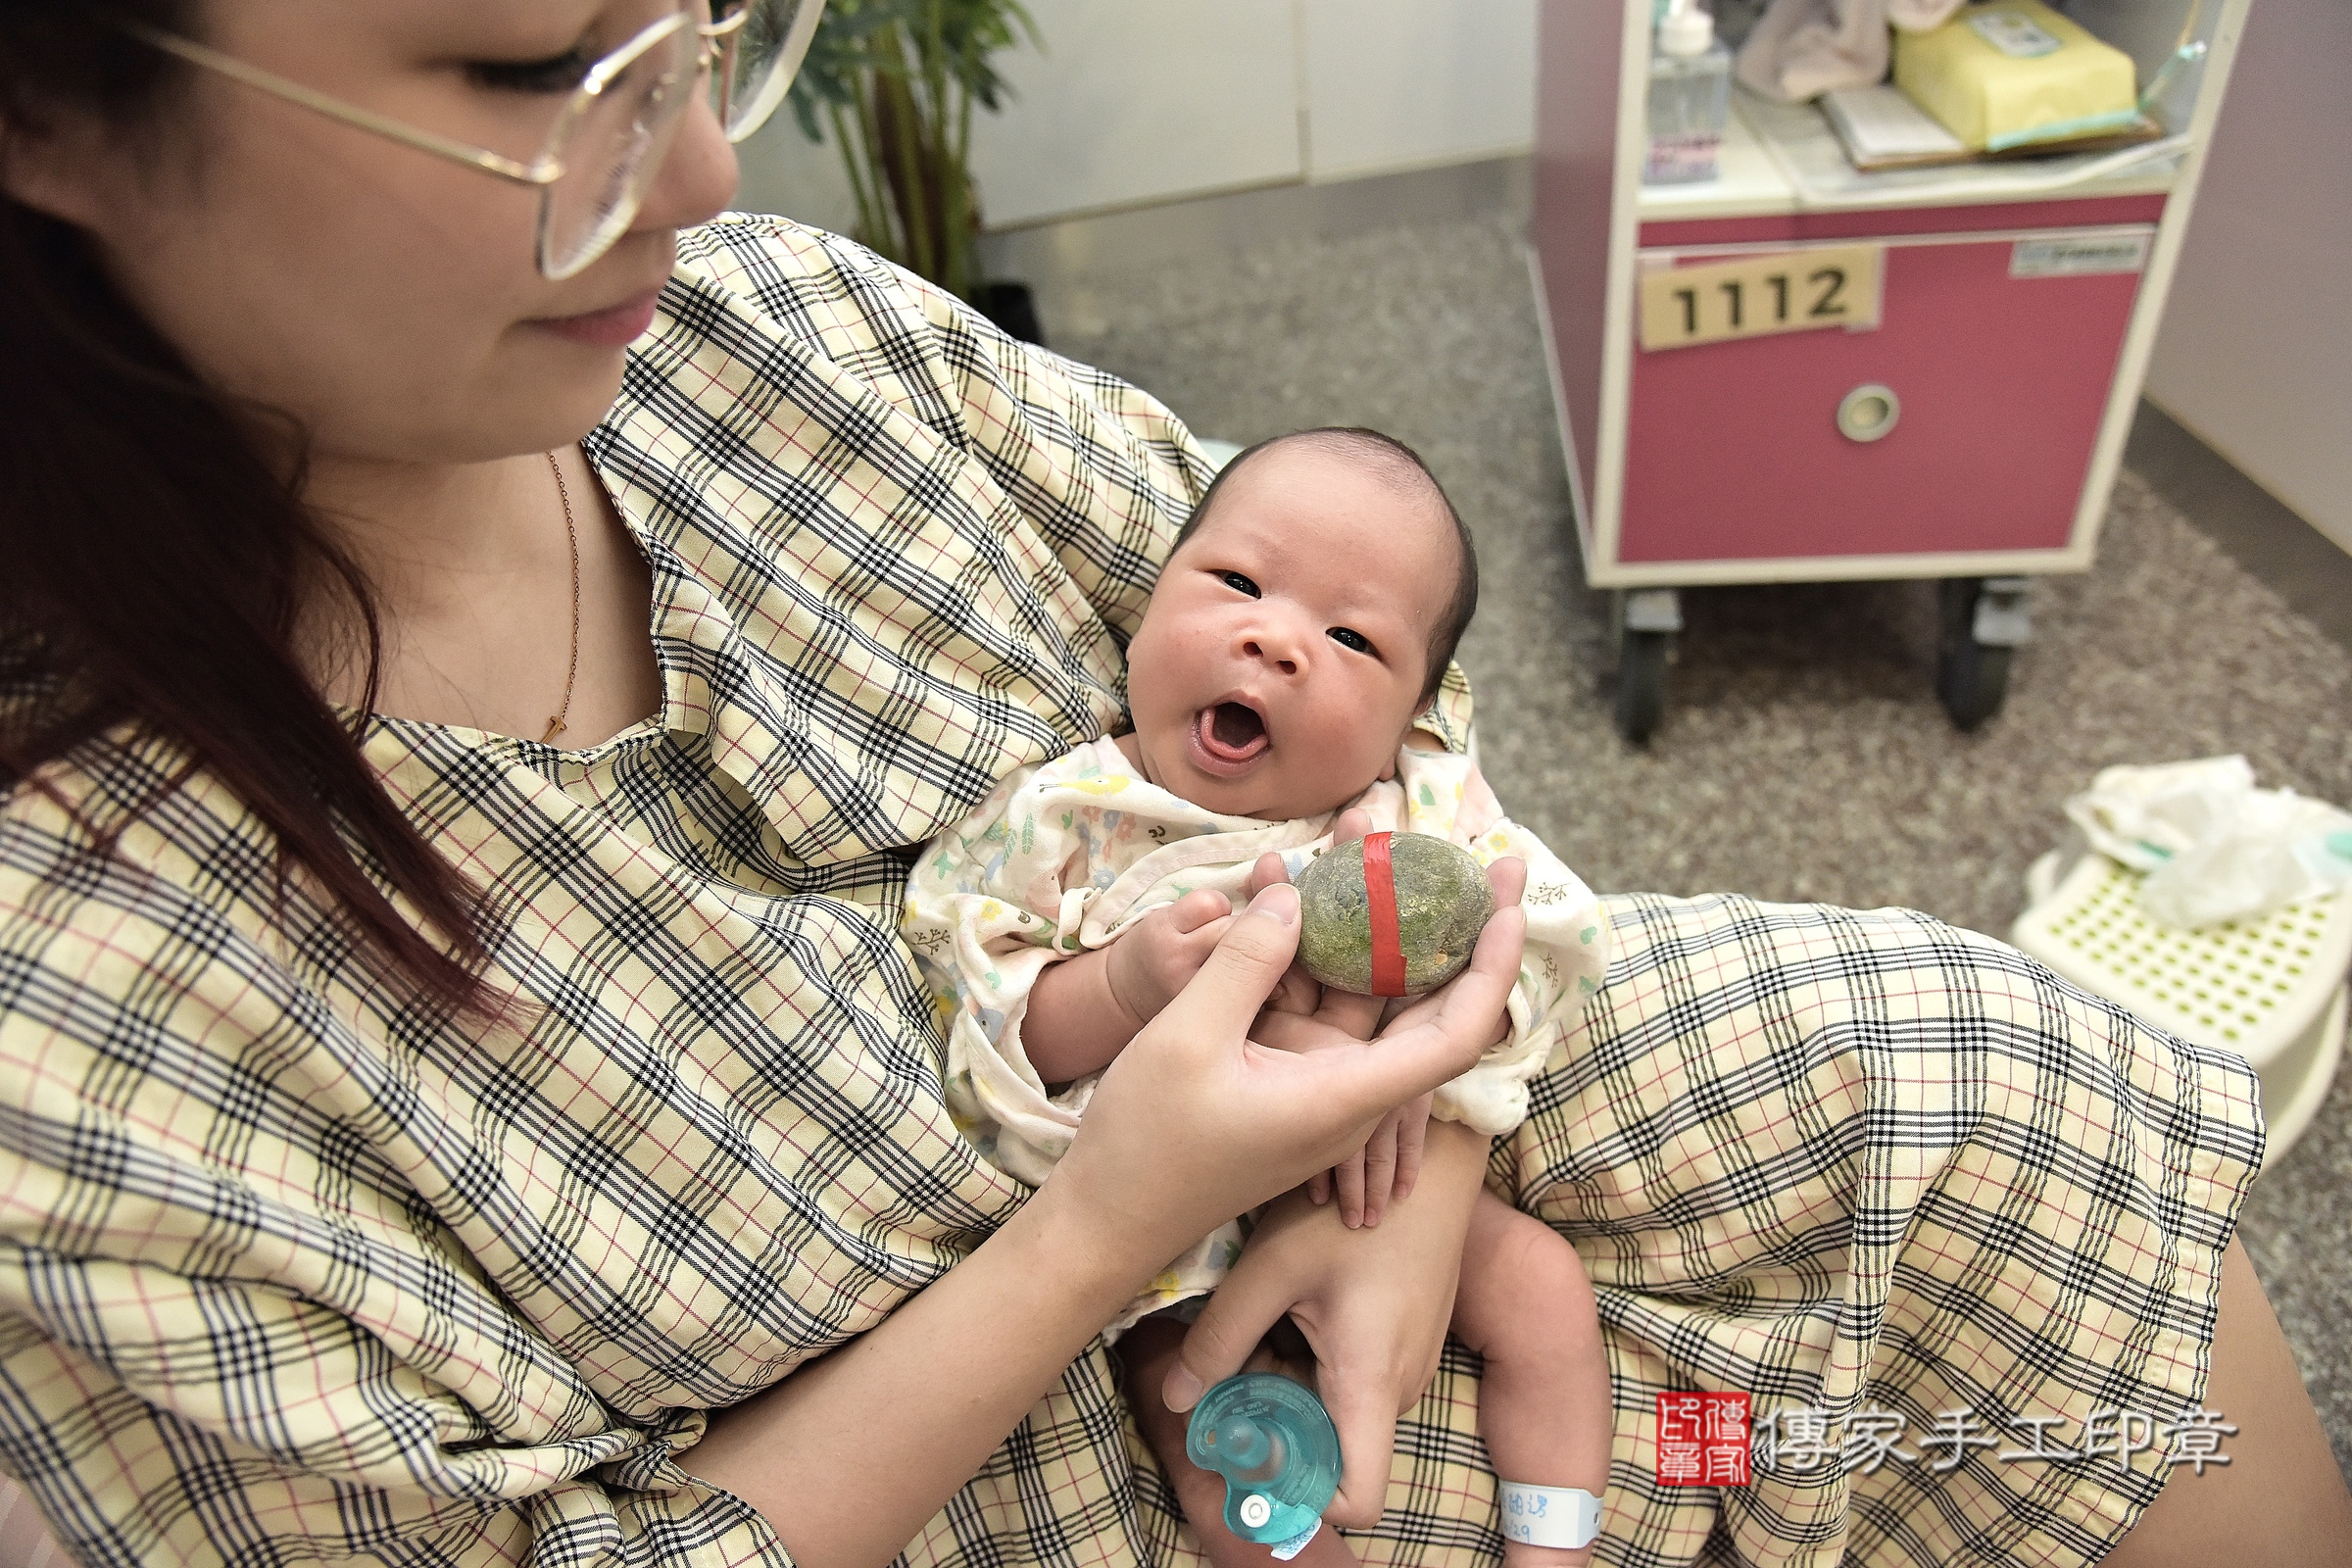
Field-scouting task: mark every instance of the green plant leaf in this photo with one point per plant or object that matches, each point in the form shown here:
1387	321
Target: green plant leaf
897	80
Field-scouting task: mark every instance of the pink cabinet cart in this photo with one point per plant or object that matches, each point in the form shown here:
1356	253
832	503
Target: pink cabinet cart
1961	409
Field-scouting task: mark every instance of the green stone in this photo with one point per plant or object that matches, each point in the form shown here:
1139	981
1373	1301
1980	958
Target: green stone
1443	902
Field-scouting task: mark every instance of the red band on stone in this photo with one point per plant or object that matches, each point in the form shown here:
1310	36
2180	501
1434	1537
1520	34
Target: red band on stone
1380	890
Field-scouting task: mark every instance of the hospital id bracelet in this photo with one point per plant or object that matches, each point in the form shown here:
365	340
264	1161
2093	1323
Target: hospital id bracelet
1549	1516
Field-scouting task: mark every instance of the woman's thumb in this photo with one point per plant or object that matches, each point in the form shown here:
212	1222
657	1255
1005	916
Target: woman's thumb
1224	998
1221	1339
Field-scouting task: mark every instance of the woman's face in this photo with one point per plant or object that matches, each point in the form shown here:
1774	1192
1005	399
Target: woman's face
387	298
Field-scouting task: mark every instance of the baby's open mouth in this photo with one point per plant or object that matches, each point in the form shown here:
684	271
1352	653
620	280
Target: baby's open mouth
1231	732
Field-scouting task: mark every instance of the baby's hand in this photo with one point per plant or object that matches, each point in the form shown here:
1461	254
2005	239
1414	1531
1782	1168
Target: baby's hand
1385	1169
1158	957
1381	1172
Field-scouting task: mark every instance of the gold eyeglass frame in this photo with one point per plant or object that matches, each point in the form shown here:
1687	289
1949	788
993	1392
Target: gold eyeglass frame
543	169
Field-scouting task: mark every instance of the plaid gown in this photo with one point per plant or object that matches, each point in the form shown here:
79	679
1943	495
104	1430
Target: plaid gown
290	1272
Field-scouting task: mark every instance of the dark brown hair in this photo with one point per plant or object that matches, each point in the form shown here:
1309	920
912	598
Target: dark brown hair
1403	466
154	554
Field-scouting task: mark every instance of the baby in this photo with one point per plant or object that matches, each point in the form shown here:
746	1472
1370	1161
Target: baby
1304	620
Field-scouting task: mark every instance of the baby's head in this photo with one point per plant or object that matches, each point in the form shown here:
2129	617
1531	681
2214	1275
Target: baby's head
1303	621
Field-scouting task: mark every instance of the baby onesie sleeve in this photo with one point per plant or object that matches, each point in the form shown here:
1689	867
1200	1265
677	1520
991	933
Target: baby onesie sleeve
1567	938
982	929
992	902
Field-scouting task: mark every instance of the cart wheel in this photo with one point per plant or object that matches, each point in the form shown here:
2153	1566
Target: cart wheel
1647	620
1972	676
1641	681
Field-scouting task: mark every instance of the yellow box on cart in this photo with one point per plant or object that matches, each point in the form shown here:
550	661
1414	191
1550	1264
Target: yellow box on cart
2014	73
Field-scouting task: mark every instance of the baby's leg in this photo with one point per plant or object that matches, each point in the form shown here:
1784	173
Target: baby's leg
1147	1350
1543	1404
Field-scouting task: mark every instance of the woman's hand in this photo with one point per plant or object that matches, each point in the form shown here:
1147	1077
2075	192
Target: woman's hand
1372	1303
1202	1118
1191	1125
1386	1168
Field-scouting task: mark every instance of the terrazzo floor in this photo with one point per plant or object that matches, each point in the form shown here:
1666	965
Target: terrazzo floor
1802	754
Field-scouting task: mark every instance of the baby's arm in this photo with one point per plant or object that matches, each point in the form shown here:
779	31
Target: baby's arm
1085	1008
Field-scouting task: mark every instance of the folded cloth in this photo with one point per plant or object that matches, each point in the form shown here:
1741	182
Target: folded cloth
1800	48
2214	847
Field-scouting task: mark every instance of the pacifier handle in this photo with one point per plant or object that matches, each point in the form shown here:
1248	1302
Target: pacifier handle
1275	1446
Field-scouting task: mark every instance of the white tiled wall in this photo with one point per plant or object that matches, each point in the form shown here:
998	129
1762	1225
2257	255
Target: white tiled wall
1404	84
1135	102
2256	351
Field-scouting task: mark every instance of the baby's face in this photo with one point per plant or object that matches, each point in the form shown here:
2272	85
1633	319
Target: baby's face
1284	653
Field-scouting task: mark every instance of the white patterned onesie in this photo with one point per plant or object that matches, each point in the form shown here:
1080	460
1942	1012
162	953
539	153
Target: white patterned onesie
1065	855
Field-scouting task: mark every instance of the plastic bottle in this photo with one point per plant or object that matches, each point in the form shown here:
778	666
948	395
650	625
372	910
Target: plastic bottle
1274	1444
1690	98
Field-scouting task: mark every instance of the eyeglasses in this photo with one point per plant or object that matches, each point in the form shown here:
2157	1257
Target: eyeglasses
608	143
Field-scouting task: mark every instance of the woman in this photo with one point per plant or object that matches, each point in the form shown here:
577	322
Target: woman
455	1037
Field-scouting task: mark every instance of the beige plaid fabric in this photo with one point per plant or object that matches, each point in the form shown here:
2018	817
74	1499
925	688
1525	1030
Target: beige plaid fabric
290	1272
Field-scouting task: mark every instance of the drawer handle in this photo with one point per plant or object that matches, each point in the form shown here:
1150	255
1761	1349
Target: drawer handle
1869	411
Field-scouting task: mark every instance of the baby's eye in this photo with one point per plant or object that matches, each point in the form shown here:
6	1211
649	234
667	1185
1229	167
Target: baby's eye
1238	583
1347	638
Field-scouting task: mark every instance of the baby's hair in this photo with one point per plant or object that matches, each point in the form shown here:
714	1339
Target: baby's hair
1401	467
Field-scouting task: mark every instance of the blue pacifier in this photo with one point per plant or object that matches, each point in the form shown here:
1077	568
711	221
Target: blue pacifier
1274	1444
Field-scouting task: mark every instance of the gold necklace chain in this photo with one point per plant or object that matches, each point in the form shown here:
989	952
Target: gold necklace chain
555	721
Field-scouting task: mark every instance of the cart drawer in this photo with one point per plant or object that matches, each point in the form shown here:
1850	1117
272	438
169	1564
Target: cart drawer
2001	365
